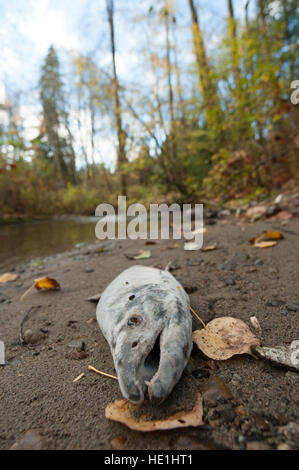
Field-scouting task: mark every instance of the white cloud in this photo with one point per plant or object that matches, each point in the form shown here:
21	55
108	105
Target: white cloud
47	26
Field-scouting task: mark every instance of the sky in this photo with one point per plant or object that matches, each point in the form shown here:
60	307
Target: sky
29	27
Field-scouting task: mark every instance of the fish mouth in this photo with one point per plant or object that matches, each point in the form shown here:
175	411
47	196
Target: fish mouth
135	376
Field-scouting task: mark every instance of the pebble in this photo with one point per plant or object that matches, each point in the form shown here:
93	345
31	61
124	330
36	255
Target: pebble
275	303
283	446
77	344
32	337
31	440
201	374
292	376
293	307
89	270
230	281
258	262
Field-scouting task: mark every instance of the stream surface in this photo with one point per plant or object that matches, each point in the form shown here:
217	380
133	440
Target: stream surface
23	242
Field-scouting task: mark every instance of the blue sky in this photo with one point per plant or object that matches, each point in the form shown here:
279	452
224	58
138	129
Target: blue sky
29	27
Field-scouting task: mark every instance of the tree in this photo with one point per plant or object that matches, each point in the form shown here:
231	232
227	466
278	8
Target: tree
55	118
121	151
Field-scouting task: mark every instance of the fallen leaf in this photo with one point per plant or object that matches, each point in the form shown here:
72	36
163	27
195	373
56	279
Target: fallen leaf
142	255
94	298
118	443
191	246
215	391
46	283
264	244
283	355
282	215
224	337
255	323
123	412
8	277
209	247
271	236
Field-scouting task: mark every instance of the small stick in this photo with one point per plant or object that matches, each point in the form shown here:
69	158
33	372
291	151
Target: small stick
102	373
167	266
22	324
27	292
79	377
197	316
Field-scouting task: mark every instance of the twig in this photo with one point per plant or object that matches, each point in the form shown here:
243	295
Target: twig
167	266
79	377
22	324
102	373
27	292
197	316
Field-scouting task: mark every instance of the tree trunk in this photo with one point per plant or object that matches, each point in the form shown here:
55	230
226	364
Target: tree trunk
121	152
207	83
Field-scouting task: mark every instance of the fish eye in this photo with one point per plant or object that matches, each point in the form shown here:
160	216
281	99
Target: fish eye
134	344
135	320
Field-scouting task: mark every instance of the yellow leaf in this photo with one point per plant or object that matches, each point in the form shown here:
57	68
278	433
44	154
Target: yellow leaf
46	283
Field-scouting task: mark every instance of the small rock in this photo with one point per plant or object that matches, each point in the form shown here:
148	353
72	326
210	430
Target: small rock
291	432
31	440
230	281
215	391
256	445
258	262
77	355
283	446
292	377
224	267
77	344
293	307
201	374
89	270
32	337
118	442
275	303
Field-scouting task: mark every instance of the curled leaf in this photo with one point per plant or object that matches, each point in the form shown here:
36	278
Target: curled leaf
123	412
8	277
209	247
224	337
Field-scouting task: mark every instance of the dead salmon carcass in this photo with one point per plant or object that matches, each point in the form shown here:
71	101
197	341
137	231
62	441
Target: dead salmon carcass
144	316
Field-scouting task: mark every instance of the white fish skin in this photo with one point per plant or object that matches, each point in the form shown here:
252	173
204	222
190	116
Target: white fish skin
138	307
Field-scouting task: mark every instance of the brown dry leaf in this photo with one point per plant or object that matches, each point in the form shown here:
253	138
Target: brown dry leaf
209	247
46	283
224	337
8	277
264	244
123	412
